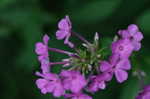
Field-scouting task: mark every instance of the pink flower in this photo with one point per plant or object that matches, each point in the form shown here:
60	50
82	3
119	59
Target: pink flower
99	82
145	93
116	66
42	50
122	47
73	80
64	31
45	64
133	34
50	83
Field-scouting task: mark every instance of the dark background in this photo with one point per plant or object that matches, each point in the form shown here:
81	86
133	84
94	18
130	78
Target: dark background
23	23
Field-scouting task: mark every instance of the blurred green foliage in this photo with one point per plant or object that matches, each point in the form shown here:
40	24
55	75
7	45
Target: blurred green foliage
23	23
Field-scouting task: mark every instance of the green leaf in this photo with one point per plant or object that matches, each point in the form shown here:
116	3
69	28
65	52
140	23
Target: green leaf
27	57
95	11
9	85
144	21
4	3
130	90
5	31
31	31
30	24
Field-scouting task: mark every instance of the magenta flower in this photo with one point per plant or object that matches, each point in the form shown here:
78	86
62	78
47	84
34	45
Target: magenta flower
45	64
80	68
145	93
99	82
78	96
133	34
116	66
73	80
50	83
64	31
122	47
42	50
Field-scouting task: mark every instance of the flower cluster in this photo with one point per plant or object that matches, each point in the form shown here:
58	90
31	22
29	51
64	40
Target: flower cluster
87	71
145	93
122	49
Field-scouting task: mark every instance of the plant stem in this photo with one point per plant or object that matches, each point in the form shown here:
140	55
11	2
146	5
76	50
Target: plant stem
59	51
63	52
57	63
81	38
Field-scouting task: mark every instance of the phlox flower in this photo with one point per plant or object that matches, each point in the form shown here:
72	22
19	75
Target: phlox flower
117	67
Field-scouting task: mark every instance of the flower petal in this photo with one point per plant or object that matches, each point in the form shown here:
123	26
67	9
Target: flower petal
104	66
102	85
46	39
132	29
138	36
61	34
40	48
124	64
65	24
123	33
114	59
121	75
58	91
137	45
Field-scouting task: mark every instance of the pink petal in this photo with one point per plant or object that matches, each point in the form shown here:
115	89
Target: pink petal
124	64
147	88
41	83
69	22
45	66
104	66
65	24
138	36
61	34
123	33
93	87
46	39
40	48
137	45
58	91
102	85
114	59
50	87
133	29
147	96
77	86
121	75
49	76
107	76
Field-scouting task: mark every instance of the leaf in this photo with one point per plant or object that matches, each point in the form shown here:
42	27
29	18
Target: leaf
5	31
8	85
130	90
27	57
144	21
29	23
95	11
4	3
